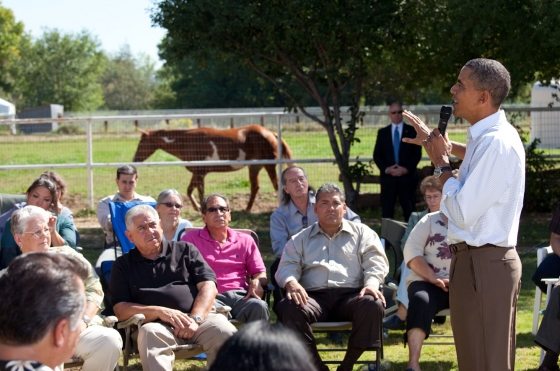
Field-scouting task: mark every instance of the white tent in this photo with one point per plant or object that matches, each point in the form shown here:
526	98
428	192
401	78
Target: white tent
8	111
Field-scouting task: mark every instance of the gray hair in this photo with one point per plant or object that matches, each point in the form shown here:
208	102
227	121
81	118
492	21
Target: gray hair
492	76
284	196
166	193
203	206
330	188
37	291
139	210
21	217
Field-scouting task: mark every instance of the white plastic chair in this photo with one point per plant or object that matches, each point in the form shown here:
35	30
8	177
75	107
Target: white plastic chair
541	255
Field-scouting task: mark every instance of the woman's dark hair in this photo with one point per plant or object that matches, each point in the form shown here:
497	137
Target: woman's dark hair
262	346
58	181
45	181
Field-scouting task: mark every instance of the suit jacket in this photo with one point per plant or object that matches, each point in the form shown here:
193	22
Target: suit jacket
409	154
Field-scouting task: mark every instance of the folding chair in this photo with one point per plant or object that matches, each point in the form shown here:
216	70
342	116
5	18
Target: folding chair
537	312
346	327
7	201
392	231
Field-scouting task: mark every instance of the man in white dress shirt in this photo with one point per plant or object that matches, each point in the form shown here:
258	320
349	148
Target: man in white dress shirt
483	206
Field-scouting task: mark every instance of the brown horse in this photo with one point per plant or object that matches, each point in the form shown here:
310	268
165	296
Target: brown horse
251	142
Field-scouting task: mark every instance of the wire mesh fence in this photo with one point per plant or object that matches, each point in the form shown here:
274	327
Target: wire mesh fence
85	155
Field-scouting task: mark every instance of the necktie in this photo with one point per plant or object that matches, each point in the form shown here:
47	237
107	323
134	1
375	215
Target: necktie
396	145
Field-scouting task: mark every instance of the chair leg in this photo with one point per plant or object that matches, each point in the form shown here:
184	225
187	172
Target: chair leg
536	310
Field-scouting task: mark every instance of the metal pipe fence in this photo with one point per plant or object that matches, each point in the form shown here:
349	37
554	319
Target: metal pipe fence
87	150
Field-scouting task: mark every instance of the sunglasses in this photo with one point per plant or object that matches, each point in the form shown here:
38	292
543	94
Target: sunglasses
171	204
221	209
304	221
395	112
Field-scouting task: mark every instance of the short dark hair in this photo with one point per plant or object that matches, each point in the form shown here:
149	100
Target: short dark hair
205	200
37	291
284	196
45	181
126	170
261	345
330	188
492	76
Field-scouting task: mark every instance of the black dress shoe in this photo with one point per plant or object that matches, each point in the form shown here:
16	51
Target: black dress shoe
393	322
544	368
335	338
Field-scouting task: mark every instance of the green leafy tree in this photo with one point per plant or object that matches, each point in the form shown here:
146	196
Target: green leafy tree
311	51
12	38
215	84
62	69
128	83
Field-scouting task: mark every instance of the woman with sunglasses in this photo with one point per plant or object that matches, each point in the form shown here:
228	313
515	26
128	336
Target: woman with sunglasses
169	205
41	193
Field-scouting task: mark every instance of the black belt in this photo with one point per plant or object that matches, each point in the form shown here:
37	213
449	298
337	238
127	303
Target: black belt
462	246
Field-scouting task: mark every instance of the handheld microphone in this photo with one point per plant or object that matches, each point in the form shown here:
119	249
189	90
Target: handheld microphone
444	115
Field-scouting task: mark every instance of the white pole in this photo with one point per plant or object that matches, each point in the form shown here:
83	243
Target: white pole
89	163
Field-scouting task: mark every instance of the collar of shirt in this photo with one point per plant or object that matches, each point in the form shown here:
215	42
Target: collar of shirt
118	198
485	124
204	233
316	229
137	256
294	210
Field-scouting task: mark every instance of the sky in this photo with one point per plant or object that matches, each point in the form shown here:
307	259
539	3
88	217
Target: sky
113	22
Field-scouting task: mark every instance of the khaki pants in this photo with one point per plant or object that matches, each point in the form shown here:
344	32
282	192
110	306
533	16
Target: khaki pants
483	291
156	338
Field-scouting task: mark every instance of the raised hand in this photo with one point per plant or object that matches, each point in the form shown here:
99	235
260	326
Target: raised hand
422	131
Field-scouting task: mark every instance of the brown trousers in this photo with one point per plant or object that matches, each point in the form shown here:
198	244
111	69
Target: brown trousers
483	291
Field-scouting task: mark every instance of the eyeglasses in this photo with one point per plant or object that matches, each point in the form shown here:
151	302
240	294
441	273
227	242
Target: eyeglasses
171	204
395	112
430	198
221	209
38	233
304	221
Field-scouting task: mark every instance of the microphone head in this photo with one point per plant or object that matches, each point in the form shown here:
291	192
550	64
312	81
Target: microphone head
445	112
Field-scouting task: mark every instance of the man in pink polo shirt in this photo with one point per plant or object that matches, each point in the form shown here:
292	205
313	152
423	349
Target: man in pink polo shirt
233	256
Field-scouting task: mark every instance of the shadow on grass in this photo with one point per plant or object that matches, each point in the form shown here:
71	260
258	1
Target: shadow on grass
526	340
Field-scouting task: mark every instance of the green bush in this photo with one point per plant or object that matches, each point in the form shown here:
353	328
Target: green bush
542	180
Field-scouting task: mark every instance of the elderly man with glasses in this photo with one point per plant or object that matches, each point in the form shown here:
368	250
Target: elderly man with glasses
233	256
397	162
99	347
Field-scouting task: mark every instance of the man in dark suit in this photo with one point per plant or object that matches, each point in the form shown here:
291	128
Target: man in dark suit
397	163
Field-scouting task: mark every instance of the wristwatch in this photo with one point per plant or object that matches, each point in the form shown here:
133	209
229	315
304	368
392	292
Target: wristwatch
440	169
197	319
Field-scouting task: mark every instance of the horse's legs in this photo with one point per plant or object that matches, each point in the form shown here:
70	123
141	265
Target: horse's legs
254	178
197	181
271	170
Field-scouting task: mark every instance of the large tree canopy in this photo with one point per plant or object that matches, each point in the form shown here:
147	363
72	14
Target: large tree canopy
311	49
12	39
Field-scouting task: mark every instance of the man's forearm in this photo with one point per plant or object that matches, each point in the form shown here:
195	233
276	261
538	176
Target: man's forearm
459	149
204	299
261	276
125	310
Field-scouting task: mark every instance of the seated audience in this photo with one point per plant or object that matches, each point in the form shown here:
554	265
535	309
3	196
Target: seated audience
331	271
169	205
171	284
127	180
98	346
427	254
261	346
431	189
548	336
60	184
41	193
233	256
42	303
550	266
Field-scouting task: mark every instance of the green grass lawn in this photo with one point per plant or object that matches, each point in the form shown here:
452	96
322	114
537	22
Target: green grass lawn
533	231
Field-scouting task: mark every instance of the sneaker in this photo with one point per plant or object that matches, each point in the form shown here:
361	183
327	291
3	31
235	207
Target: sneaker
393	322
385	365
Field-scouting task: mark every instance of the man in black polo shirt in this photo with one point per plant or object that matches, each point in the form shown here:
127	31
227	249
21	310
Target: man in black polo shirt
171	284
